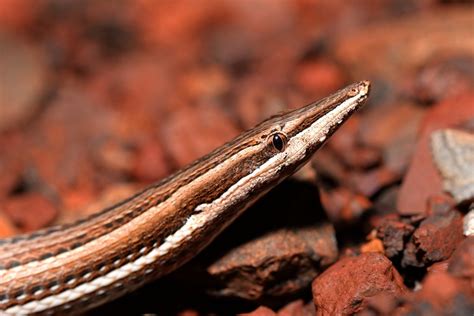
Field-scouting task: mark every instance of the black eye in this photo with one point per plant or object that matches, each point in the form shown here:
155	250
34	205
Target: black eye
278	141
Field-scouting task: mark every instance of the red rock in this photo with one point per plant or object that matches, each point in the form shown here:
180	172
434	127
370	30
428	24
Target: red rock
398	151
461	263
440	204
205	83
150	162
115	156
434	240
393	232
445	77
327	163
343	205
297	255
403	45
390	130
306	174
370	182
11	167
163	29
23	81
133	87
76	200
346	136
258	258
188	312
385	202
297	308
320	77
193	132
260	311
345	287
255	103
90	203
17	15
362	157
422	179
442	294
380	304
382	125
30	211
7	228
374	245
346	144
71	130
441	266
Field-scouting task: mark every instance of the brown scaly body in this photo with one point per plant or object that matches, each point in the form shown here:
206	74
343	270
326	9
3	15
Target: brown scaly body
78	266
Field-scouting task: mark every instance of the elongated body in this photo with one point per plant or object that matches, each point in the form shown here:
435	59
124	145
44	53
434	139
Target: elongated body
81	265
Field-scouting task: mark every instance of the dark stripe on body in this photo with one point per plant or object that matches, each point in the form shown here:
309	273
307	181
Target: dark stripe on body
208	192
160	192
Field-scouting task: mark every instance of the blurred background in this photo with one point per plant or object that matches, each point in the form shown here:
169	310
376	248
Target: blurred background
100	98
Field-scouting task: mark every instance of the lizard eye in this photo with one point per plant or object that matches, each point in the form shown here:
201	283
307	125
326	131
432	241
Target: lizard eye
279	141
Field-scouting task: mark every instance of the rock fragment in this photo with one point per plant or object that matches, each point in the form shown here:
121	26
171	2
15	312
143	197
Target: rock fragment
319	77
461	263
281	262
394	232
404	45
380	304
150	161
72	131
22	82
468	222
345	287
297	308
434	240
373	245
343	205
260	311
441	294
7	228
370	182
275	249
349	148
17	209
440	204
444	76
422	179
179	132
453	154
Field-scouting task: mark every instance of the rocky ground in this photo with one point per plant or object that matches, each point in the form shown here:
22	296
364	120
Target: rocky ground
101	98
